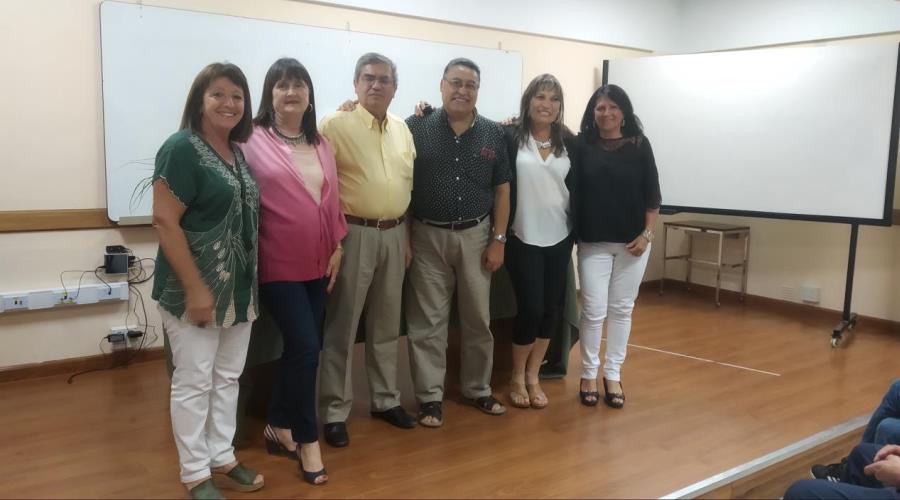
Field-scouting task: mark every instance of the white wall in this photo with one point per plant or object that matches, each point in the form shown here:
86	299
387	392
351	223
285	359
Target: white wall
730	24
640	24
666	26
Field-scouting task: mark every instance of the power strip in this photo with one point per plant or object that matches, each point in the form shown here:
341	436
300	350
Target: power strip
93	293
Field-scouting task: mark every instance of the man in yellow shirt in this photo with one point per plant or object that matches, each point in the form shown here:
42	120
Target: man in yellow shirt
374	152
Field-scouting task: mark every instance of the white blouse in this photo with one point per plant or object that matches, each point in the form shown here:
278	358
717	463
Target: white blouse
306	161
542	198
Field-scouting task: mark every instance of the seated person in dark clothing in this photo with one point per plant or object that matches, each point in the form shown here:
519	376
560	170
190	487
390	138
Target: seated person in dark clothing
871	471
883	428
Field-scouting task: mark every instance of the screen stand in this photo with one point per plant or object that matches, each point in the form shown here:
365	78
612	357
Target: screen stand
848	319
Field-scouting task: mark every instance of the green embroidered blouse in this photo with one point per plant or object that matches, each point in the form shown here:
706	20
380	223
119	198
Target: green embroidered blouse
220	224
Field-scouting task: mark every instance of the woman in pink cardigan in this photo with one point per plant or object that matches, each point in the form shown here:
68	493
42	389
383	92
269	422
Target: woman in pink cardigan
300	232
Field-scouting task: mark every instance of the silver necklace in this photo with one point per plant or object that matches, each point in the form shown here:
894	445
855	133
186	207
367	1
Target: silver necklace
543	144
290	140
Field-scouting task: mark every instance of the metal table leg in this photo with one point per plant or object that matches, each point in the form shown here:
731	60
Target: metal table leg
662	280
719	268
746	262
690	254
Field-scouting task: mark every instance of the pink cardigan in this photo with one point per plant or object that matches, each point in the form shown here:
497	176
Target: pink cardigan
296	236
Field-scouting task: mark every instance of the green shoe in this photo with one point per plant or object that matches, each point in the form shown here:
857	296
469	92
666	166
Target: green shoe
206	491
239	478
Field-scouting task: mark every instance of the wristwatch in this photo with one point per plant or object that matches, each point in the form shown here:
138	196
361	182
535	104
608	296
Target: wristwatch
648	235
501	238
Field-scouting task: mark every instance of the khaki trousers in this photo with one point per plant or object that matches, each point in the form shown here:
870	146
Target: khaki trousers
444	261
371	278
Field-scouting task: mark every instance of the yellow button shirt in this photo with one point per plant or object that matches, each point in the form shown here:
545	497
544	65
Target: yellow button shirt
374	163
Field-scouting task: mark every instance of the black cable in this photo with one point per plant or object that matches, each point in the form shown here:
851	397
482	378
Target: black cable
63	283
97	274
142	277
77	290
145	325
72	376
133	281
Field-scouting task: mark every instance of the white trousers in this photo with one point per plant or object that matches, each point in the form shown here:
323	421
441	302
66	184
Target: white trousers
203	401
610	278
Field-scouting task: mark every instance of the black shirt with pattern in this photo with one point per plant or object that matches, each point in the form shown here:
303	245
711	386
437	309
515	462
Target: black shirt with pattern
454	176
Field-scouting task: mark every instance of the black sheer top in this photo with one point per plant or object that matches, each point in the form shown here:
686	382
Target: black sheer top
615	183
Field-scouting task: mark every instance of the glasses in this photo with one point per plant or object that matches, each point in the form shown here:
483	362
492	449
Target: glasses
370	80
458	84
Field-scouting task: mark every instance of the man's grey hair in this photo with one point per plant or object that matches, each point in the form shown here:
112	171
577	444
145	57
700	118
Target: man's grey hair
374	58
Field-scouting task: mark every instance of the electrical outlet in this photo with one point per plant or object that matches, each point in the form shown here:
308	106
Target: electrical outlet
810	294
123	329
14	302
49	298
131	342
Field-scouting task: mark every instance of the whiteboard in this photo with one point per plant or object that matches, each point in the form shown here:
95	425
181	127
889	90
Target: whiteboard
150	56
799	133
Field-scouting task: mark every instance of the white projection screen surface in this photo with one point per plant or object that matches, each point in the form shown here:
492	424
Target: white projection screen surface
793	133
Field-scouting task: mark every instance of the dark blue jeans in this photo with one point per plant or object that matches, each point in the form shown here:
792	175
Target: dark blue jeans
854	483
298	309
884	426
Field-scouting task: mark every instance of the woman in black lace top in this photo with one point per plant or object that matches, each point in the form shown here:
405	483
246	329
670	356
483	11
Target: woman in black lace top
615	203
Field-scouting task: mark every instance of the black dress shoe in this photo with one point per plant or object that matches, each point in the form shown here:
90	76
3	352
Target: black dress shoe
397	417
336	434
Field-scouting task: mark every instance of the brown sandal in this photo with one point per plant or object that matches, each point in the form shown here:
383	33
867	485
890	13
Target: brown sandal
519	395
534	393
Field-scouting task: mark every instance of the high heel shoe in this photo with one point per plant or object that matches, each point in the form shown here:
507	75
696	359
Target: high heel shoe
274	446
310	477
613	399
589	398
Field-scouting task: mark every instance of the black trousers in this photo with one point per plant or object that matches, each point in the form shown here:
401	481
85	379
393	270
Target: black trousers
539	280
298	309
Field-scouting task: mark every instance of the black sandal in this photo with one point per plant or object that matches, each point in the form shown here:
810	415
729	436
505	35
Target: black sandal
274	446
613	399
431	409
584	395
486	404
312	477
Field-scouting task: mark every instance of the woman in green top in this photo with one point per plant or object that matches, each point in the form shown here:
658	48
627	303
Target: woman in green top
205	210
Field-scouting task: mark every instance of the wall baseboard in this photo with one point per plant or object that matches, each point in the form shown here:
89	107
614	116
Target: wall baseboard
74	365
54	220
787	306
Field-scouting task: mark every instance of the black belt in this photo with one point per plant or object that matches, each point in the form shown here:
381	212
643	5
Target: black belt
379	224
456	225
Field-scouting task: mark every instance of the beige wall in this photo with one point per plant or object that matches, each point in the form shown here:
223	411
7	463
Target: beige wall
54	147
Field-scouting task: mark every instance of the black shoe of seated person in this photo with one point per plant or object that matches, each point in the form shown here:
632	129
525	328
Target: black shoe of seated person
830	472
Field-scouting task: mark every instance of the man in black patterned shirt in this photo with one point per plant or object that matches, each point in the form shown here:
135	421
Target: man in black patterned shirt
460	209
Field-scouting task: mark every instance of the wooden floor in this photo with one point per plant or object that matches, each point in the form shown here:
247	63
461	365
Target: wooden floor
708	389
